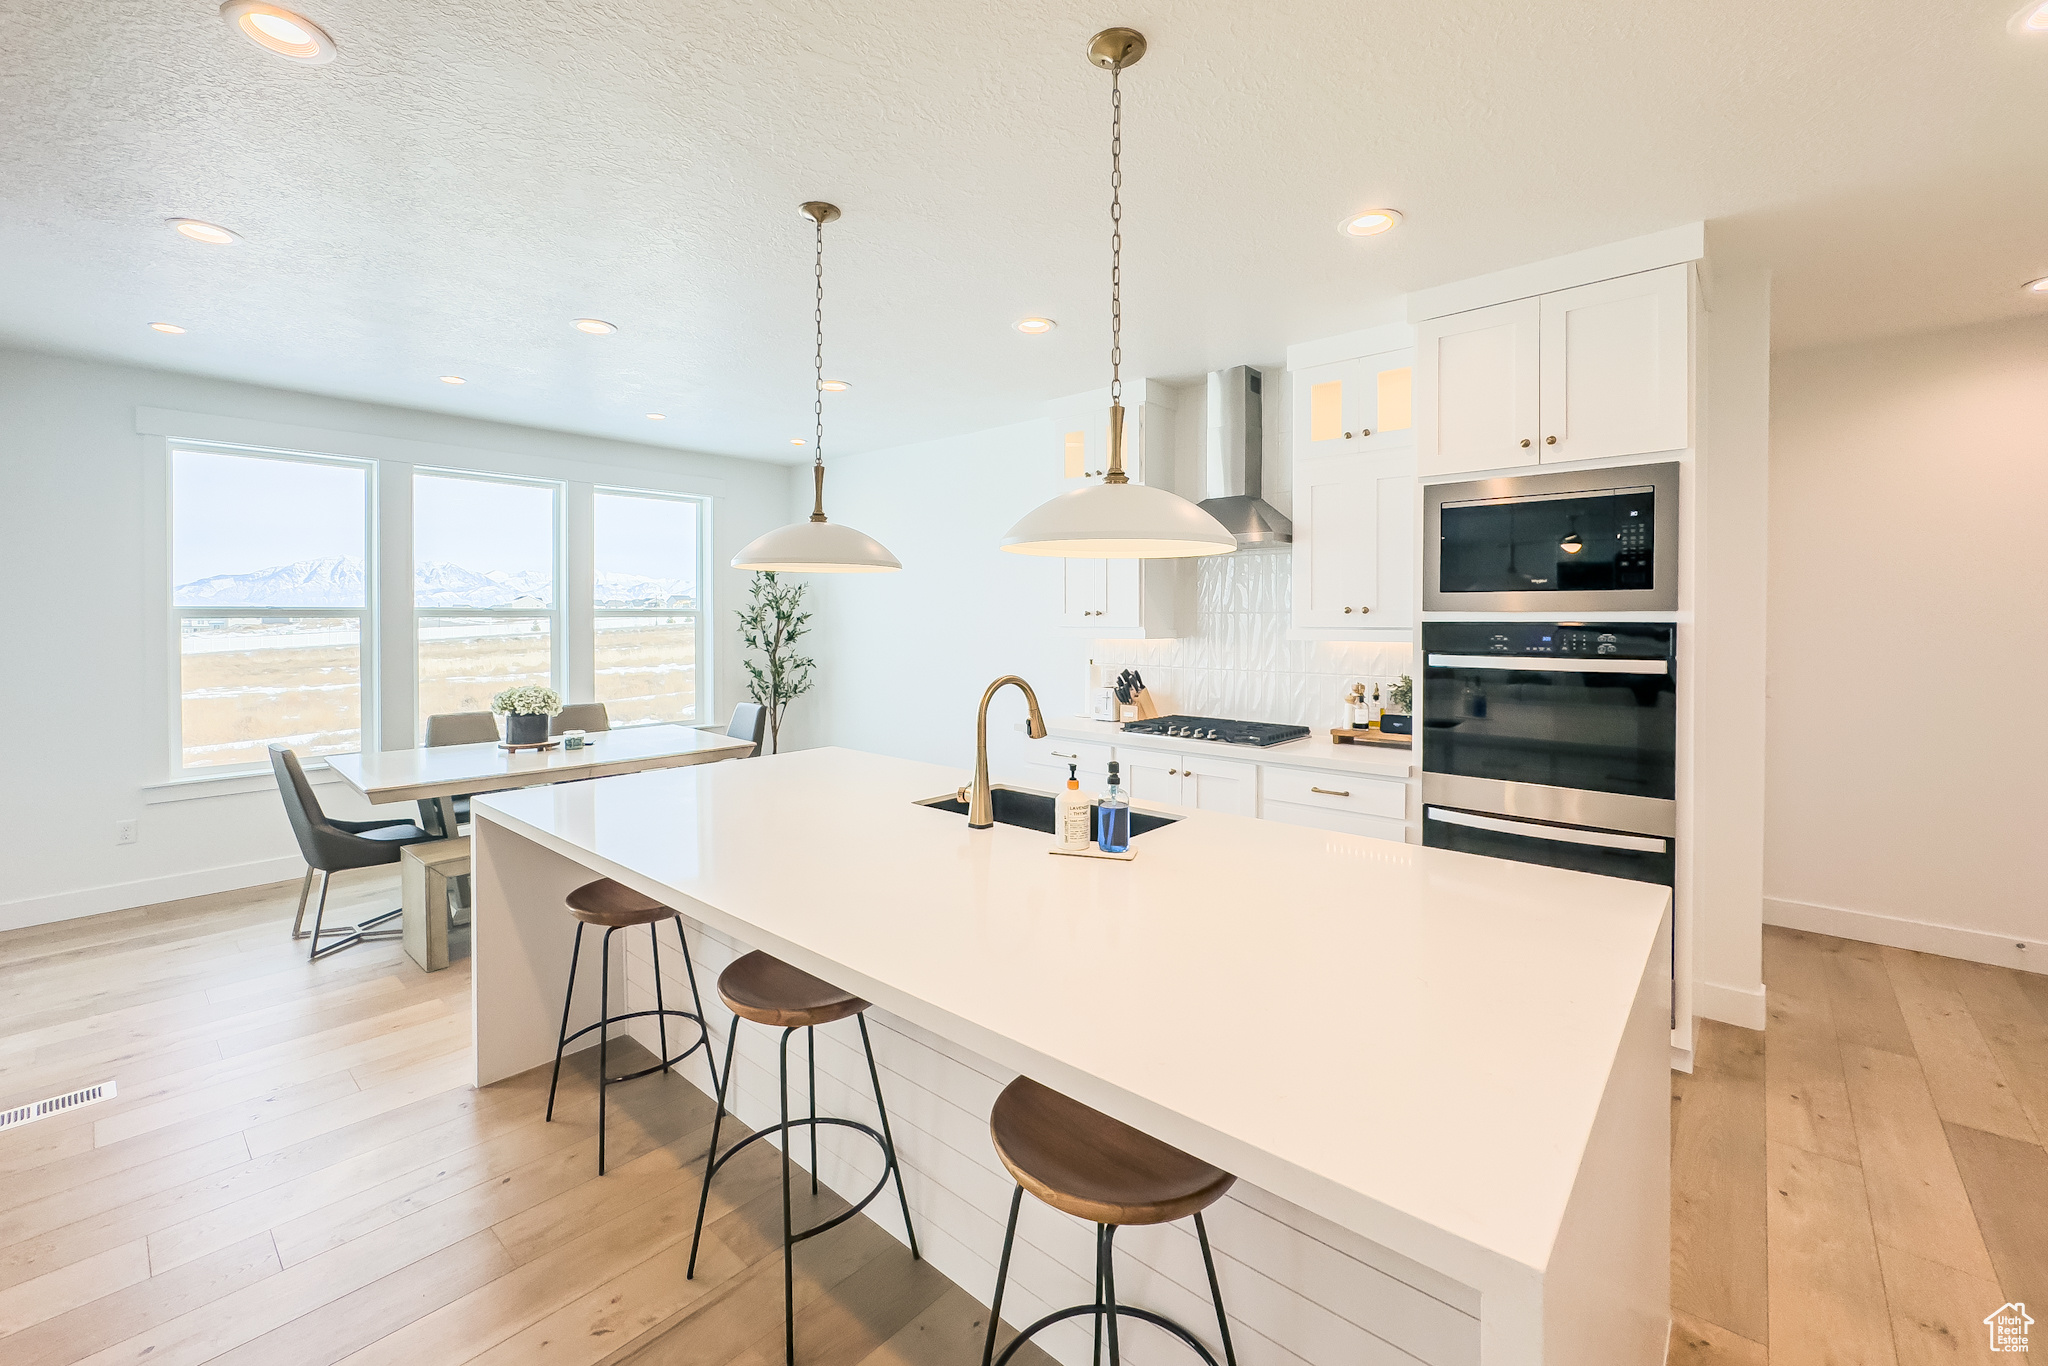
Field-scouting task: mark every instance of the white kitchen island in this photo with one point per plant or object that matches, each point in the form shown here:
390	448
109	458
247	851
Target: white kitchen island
1441	1079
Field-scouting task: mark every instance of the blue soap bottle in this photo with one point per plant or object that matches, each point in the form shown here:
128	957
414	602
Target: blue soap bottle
1113	817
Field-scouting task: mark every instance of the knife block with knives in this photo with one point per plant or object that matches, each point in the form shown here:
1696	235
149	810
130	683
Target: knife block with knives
1133	702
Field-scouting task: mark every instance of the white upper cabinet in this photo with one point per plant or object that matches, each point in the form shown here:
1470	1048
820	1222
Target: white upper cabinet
1354	495
1616	367
1597	371
1127	599
1351	406
1354	542
1476	390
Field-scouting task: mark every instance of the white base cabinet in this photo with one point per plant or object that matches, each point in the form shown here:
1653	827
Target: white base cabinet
1195	780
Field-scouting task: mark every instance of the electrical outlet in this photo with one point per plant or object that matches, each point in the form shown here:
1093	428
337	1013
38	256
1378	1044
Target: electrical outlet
126	832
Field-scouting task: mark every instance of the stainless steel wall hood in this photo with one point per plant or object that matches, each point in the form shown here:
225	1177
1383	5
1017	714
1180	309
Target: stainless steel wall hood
1232	483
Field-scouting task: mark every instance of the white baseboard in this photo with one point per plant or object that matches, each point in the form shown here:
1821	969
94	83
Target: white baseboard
1924	936
1741	1006
120	896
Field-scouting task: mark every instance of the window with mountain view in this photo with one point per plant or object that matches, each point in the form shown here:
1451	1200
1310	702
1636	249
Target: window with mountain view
484	569
267	584
645	606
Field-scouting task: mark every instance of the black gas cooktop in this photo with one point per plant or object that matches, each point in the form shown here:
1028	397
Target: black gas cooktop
1215	728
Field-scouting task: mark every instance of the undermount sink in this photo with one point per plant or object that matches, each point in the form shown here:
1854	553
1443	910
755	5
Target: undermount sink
1029	810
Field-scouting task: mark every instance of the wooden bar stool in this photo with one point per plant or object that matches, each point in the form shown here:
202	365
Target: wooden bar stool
769	991
616	906
1083	1162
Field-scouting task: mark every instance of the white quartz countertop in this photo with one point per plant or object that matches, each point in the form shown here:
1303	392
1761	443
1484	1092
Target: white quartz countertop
1411	1041
1374	761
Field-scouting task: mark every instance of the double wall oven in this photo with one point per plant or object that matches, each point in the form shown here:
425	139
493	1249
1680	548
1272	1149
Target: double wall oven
1553	743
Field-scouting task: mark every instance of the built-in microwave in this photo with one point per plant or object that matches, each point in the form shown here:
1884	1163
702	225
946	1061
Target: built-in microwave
1590	541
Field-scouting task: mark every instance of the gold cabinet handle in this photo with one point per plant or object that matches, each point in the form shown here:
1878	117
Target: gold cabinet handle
1173	773
1329	792
1058	755
1525	441
1365	431
1550	441
1347	611
1363	610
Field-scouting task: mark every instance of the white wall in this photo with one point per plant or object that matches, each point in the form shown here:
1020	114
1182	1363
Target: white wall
1908	728
1724	661
904	657
76	628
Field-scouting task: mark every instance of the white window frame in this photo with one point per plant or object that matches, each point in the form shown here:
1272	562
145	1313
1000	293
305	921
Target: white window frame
560	621
367	643
389	663
696	614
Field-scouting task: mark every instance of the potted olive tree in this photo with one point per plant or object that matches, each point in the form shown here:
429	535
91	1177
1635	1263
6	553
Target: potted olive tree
771	623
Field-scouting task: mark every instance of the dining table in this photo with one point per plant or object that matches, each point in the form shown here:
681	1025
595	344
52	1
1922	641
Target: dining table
442	773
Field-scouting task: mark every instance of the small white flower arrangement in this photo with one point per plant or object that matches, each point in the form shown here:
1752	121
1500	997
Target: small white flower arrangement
529	699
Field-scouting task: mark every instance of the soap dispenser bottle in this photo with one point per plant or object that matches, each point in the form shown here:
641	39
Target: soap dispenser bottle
1073	813
1113	817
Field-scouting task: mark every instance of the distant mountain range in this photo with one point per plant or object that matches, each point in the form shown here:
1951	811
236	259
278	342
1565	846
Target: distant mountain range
337	581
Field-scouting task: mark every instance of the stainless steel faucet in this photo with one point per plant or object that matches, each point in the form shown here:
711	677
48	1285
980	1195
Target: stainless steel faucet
981	806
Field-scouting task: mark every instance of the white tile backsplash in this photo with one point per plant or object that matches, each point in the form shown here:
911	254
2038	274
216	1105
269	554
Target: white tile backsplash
1238	662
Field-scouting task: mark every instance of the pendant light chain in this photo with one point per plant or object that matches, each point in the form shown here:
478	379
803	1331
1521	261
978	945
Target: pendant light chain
818	353
818	376
1116	238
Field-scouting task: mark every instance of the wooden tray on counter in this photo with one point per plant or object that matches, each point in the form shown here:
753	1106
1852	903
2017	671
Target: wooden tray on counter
1346	736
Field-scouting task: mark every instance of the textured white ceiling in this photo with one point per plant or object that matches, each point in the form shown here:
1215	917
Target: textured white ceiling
469	176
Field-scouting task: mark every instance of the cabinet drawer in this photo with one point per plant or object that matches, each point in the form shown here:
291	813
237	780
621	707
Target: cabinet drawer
1385	798
1324	818
1049	759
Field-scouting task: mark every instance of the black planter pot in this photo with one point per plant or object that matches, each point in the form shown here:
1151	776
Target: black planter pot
525	730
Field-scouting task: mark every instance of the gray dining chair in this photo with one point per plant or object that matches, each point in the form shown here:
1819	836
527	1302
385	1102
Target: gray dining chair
332	846
454	728
585	716
749	722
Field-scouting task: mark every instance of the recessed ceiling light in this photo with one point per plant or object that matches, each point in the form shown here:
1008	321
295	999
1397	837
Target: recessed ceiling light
657	417
171	328
453	379
1371	223
2039	286
796	441
212	234
834	386
291	36
596	327
1035	325
2031	21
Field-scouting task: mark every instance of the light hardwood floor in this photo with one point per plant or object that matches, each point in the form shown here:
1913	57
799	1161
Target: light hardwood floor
296	1171
1863	1182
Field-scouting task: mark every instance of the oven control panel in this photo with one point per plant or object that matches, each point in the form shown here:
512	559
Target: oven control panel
1564	639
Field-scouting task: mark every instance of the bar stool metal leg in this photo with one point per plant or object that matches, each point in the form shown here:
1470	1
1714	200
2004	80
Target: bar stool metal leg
732	1037
697	1001
811	1041
1215	1291
1109	1289
604	1017
788	1247
562	1040
995	1308
888	1138
660	1011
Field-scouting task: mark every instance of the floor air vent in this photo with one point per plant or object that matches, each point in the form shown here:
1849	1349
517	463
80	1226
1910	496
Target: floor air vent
56	1105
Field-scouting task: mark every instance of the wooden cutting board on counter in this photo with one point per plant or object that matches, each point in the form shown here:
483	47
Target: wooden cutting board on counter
1345	736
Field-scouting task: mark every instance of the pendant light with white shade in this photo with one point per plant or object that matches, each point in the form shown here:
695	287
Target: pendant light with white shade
1116	519
817	546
